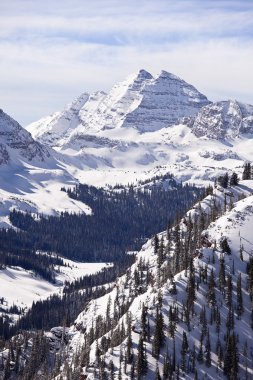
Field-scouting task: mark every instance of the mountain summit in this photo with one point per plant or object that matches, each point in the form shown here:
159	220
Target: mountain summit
141	102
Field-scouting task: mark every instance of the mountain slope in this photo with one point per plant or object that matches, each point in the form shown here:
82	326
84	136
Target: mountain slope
140	102
31	176
227	119
149	125
198	309
16	142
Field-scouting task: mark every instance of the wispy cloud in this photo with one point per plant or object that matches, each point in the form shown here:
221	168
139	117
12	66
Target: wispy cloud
51	51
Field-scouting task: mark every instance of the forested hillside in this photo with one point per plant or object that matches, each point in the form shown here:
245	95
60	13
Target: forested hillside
120	222
183	310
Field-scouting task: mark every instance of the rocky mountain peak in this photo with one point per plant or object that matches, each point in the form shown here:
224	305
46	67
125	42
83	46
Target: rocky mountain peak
14	137
224	119
141	102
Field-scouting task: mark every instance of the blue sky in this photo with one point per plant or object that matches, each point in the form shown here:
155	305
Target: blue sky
52	51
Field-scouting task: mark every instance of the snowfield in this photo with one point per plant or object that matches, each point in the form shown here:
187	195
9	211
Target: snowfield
22	288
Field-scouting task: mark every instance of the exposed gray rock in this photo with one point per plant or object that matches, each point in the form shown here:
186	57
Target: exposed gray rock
223	120
14	137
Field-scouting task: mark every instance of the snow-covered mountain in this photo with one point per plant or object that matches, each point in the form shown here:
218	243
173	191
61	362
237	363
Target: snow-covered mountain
140	102
151	286
144	126
144	123
226	119
17	143
30	174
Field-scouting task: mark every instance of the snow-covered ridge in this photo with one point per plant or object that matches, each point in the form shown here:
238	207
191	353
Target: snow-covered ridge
236	226
31	176
224	119
141	102
16	141
146	122
55	126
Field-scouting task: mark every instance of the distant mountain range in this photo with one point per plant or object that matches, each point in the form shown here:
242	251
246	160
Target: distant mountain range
145	125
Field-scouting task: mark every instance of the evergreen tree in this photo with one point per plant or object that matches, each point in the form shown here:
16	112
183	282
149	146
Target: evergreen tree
231	359
222	277
172	323
223	180
129	350
156	243
229	291
158	339
225	246
211	290
184	350
230	319
246	171
157	373
141	365
234	180
239	306
177	251
219	352
208	350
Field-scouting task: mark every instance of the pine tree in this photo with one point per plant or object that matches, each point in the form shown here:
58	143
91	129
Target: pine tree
217	320
229	291
184	350
239	306
234	180
157	373
211	290
129	350
246	171
177	252
172	323
231	359
219	352
191	292
200	356
223	180
230	319
156	243
222	278
203	321
225	246
208	350
159	337
141	365
111	370
160	256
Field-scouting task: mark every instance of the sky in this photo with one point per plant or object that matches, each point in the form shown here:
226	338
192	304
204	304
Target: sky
51	51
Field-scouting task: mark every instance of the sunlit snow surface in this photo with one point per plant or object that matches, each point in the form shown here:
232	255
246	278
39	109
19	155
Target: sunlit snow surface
21	287
238	220
143	127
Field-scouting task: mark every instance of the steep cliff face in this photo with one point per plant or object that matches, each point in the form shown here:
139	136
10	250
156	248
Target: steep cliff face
165	100
224	119
50	129
16	140
141	102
